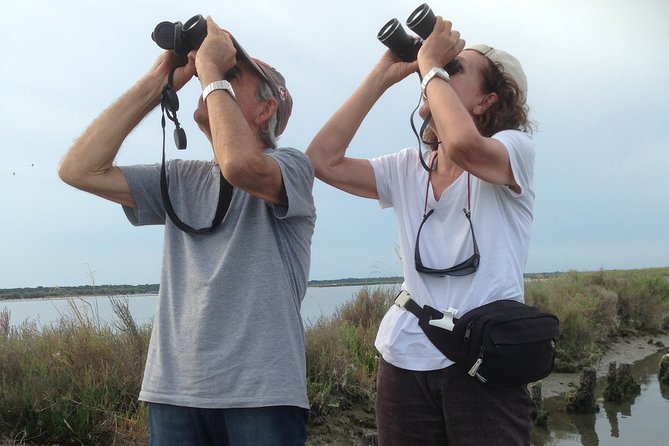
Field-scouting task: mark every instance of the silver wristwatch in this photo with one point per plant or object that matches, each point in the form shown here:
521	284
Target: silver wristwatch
435	71
217	85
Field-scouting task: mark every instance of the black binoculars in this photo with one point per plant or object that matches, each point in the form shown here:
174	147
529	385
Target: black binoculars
181	38
421	21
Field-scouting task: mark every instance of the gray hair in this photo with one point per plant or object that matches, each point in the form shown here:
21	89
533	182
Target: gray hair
268	131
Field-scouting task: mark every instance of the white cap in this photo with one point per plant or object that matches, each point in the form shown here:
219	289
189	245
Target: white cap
508	63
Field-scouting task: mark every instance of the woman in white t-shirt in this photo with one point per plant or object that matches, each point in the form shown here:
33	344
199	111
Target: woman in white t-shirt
463	209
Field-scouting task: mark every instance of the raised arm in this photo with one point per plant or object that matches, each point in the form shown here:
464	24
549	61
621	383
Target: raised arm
327	150
484	157
233	126
88	165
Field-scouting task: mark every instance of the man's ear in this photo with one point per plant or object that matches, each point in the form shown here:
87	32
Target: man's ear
269	107
485	103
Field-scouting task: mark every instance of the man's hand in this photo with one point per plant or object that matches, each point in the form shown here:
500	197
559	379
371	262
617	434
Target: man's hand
216	55
164	65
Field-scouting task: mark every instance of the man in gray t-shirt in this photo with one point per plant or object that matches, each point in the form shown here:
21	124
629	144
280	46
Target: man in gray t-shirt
226	362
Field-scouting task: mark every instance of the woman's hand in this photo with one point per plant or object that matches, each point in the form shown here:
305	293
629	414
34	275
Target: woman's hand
441	47
391	69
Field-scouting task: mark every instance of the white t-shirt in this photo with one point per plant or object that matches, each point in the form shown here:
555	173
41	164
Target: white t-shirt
502	222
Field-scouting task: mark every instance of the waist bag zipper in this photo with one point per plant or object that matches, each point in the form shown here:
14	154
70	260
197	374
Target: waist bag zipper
473	371
468	333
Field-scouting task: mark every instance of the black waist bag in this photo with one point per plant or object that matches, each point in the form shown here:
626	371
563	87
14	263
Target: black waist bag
503	343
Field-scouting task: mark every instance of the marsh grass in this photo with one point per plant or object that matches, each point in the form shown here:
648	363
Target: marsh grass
597	307
341	358
76	382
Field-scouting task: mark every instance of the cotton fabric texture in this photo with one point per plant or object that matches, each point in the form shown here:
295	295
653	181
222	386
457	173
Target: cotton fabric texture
502	220
227	330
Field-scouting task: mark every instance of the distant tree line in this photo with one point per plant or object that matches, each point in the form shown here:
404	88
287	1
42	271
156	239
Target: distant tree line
84	290
351	281
123	290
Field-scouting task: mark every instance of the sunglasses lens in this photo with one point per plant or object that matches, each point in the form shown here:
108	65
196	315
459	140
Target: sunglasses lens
465	268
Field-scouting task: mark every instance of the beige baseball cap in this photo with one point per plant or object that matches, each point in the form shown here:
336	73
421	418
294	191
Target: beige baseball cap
508	63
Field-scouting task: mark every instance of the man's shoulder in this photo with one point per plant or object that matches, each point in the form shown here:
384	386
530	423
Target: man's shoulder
287	151
292	158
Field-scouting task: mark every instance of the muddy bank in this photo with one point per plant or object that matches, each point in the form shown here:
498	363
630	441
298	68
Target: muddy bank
626	350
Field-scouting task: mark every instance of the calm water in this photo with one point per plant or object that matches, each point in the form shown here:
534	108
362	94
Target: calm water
318	302
641	420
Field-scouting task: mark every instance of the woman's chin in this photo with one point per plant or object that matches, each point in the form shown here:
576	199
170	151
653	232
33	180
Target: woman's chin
424	110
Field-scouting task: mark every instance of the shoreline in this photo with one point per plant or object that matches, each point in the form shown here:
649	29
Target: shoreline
109	291
623	351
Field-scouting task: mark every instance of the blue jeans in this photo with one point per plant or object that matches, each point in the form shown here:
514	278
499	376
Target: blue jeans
261	426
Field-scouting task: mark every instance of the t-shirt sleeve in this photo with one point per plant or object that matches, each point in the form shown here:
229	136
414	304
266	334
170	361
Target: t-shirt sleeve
387	172
521	156
298	179
144	182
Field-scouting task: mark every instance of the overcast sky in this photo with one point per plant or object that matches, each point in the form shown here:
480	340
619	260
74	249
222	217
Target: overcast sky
597	71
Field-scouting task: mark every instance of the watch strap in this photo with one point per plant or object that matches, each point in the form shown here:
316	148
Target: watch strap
217	85
434	71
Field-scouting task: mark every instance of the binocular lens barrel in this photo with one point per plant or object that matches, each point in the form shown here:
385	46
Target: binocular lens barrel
394	37
195	31
163	35
422	21
388	30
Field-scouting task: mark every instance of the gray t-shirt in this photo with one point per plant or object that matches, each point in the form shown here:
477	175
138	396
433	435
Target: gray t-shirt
227	329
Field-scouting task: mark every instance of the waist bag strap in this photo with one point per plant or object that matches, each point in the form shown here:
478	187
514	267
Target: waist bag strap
427	314
437	326
404	300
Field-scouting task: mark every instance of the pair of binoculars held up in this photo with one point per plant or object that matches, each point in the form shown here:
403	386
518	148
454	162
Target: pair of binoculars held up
181	38
421	21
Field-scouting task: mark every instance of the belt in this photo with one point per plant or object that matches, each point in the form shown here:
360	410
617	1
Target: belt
435	318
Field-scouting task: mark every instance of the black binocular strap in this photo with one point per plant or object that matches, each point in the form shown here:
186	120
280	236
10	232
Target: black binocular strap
224	192
419	136
224	198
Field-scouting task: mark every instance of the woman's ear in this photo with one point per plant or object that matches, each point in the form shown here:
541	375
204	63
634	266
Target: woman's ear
485	103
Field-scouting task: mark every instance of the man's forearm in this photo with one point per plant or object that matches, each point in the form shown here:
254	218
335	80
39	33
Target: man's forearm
93	153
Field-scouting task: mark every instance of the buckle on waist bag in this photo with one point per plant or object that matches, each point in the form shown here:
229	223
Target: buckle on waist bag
445	322
403	300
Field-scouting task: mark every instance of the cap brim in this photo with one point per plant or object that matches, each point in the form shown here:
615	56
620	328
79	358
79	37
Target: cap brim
243	55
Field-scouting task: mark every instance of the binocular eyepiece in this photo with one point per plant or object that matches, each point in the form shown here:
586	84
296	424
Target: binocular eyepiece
181	38
421	21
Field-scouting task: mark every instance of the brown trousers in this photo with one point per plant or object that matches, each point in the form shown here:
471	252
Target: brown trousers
449	407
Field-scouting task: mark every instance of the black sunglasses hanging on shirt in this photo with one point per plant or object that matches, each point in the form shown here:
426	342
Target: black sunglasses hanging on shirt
464	268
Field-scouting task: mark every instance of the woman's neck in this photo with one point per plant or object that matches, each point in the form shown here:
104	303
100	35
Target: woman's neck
444	174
